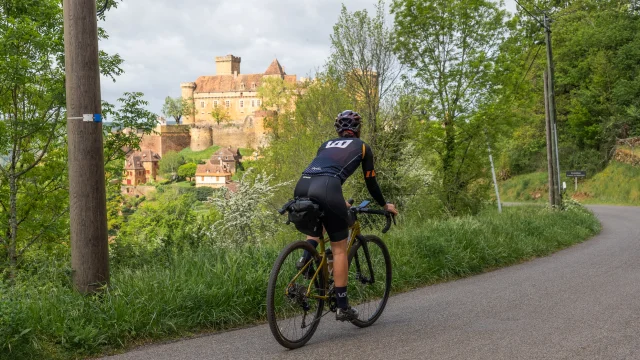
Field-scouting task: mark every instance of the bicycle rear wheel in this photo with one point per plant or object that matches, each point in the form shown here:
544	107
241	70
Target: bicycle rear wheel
369	281
293	316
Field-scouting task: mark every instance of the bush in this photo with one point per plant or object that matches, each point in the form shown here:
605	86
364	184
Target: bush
205	288
203	193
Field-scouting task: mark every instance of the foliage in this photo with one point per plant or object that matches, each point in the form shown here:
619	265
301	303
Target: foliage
615	184
363	56
177	107
187	171
170	163
199	157
33	177
122	131
246	219
220	114
157	228
596	46
452	47
215	288
203	193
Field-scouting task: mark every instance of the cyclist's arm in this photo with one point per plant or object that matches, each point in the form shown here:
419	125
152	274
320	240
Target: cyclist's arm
370	175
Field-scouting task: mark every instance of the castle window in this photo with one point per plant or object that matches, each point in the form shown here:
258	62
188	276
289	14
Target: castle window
253	103
241	103
215	102
227	103
258	102
202	104
242	86
253	85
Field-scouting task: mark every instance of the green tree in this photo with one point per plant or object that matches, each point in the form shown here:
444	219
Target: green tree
277	96
170	163
452	46
33	177
187	171
220	114
173	108
157	227
363	56
177	108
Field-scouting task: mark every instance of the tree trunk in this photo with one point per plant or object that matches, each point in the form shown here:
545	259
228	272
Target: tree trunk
448	160
13	226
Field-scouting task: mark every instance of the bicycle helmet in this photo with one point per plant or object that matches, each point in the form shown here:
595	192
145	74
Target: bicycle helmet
348	121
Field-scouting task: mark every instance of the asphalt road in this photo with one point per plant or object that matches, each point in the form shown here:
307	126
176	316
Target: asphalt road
580	303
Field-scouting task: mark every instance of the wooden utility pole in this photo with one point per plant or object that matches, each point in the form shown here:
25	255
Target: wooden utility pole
550	166
89	247
552	106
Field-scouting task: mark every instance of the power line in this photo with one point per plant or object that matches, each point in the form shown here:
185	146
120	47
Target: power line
530	66
530	14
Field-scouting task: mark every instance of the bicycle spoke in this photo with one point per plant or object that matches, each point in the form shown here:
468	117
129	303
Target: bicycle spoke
292	314
369	280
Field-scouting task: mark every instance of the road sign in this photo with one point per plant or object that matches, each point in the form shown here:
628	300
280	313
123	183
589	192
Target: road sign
576	173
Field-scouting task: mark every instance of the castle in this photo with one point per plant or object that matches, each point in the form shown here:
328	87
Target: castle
233	93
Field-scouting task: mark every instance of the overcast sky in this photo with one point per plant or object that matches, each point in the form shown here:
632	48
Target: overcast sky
166	42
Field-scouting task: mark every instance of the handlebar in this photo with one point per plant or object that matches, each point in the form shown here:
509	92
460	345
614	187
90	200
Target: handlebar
389	215
356	209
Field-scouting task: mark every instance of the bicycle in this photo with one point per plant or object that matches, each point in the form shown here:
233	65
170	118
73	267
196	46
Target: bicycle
296	296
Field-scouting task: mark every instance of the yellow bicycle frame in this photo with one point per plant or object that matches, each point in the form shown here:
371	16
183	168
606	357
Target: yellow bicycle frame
354	231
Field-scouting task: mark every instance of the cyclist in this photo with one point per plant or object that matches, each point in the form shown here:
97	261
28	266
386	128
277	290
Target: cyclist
322	181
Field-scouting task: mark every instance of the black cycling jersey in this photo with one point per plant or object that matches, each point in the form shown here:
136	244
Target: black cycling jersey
340	158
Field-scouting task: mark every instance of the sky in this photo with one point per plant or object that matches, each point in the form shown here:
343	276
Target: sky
167	42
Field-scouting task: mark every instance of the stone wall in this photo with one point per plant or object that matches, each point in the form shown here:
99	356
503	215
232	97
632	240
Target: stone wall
201	138
635	141
151	142
174	138
137	190
248	133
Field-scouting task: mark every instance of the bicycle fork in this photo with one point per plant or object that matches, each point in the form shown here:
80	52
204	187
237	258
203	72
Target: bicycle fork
363	279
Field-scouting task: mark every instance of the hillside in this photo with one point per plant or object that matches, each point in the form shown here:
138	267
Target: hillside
618	183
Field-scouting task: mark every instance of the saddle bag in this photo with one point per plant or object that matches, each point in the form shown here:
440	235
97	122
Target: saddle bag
305	215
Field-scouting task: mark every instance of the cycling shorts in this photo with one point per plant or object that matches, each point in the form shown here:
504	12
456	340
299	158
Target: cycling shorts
326	191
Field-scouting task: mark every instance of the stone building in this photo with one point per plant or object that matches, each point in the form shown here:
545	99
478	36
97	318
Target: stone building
218	170
229	89
140	167
215	174
167	138
229	156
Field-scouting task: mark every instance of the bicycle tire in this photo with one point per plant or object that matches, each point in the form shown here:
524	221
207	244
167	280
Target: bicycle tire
369	298
285	309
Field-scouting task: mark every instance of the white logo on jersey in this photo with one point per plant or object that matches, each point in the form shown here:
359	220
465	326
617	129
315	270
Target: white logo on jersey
339	144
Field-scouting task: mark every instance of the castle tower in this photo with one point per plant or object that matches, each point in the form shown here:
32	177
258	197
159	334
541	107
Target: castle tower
227	65
275	70
188	89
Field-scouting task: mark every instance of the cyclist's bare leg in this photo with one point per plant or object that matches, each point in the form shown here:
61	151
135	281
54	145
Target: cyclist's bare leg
340	262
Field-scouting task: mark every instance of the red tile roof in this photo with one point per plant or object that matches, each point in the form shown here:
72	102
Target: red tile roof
228	83
274	68
212	169
136	158
234	83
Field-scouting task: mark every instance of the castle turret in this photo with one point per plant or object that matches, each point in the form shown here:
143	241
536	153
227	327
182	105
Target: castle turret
188	90
227	65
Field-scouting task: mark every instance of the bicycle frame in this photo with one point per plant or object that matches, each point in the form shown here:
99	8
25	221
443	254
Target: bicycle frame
354	233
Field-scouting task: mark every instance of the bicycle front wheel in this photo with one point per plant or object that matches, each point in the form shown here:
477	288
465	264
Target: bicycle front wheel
369	281
293	314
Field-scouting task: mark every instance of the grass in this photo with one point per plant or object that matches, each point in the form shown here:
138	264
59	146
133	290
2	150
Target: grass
198	156
212	289
618	184
183	184
246	151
